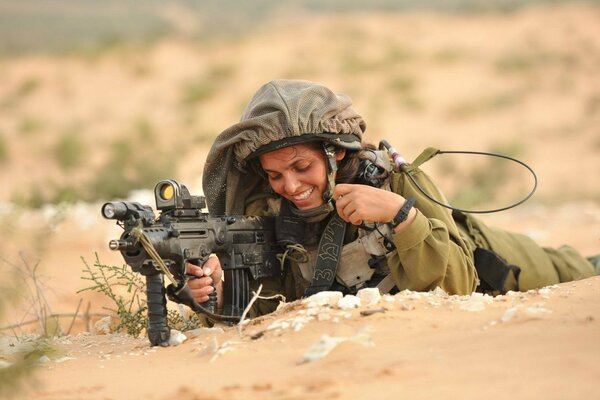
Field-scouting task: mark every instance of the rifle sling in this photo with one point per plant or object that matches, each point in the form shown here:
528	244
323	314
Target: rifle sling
328	255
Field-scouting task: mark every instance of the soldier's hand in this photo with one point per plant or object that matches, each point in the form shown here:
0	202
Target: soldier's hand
359	203
208	279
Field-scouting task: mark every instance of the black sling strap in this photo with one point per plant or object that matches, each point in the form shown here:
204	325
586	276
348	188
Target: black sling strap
328	256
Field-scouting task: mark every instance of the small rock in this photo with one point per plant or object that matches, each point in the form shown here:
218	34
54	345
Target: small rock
325	298
43	359
415	296
176	338
348	302
438	291
544	291
388	298
369	296
103	325
4	364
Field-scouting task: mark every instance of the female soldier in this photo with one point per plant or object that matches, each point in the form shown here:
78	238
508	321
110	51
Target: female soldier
297	152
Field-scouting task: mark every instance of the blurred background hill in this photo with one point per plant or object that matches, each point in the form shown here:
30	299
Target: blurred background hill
99	99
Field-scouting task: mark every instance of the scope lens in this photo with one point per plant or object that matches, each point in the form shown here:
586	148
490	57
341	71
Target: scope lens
166	192
109	210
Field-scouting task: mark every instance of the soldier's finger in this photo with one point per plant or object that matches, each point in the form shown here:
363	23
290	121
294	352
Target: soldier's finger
192	269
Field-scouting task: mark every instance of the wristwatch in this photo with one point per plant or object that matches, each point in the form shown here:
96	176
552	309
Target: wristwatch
403	213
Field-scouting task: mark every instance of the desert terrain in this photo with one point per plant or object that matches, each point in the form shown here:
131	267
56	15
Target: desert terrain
81	128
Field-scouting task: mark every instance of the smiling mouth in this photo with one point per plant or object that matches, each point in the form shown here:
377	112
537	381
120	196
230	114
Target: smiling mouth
304	195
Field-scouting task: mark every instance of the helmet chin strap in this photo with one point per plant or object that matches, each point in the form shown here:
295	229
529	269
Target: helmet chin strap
331	170
319	213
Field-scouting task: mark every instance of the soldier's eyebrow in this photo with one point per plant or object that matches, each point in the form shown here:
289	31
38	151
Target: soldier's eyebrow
293	164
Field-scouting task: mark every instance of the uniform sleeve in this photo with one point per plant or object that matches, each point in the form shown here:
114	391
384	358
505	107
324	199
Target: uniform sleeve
430	252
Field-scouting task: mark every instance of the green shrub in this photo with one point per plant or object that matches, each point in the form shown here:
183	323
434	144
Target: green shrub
29	126
132	309
129	168
69	151
4	153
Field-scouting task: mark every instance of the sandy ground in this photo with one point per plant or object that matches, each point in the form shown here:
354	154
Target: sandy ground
450	92
542	344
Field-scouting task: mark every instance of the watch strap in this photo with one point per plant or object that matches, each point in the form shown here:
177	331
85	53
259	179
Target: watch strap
403	212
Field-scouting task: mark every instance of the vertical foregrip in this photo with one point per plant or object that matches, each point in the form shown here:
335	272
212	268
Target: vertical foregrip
158	330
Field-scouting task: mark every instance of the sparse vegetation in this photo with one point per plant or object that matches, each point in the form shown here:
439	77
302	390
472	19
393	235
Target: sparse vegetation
22	90
70	150
29	126
204	87
22	352
530	60
129	167
483	181
488	103
4	153
130	308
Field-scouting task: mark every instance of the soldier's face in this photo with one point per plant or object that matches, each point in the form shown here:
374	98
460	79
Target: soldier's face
298	173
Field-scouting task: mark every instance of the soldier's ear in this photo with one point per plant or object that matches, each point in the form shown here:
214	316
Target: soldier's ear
340	153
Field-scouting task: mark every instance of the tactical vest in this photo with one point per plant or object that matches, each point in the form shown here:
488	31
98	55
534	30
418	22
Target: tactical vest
363	261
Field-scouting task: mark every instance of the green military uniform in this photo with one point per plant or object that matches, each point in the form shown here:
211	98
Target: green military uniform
453	251
437	250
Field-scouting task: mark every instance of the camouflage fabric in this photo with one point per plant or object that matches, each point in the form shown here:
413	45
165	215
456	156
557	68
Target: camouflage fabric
281	109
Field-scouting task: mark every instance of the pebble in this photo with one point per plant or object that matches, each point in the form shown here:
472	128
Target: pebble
176	338
325	298
349	302
43	359
327	343
388	298
102	326
369	296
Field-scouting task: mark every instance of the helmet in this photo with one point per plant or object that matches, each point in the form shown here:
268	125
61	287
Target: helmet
282	113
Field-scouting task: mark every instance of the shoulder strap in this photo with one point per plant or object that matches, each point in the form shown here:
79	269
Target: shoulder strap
328	256
425	156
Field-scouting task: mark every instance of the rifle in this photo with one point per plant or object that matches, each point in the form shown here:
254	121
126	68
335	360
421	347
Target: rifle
158	247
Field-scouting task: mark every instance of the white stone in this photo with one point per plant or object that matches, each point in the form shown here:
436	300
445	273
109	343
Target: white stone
103	325
176	338
544	291
388	298
369	296
438	291
415	296
325	298
4	364
348	302
43	359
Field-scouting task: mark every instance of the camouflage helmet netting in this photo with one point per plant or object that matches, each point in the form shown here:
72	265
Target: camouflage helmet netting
280	109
